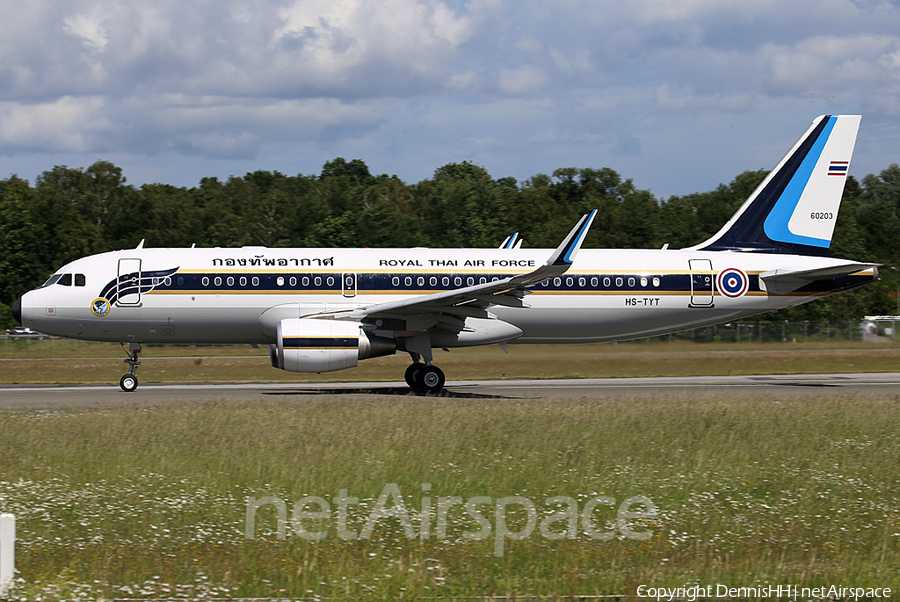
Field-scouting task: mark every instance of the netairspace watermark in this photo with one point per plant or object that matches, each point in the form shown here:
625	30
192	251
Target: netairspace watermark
760	592
561	518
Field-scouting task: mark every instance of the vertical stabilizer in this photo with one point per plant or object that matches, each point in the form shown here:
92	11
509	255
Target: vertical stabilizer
795	208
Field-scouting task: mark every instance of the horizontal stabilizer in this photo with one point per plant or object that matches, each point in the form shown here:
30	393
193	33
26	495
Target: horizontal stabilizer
782	282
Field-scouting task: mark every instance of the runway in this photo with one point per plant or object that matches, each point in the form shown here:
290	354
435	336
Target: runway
45	397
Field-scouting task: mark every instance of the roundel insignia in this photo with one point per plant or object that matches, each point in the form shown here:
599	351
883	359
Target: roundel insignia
100	307
732	282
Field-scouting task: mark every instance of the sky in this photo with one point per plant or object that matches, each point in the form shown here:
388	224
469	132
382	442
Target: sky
676	95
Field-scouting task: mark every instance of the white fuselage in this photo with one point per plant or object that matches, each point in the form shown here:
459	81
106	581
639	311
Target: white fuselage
238	295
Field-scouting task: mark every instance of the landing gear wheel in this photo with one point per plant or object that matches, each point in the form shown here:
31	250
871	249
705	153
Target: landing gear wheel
129	383
412	375
431	379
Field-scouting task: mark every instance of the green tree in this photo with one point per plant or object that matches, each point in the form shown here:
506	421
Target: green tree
878	213
462	206
21	267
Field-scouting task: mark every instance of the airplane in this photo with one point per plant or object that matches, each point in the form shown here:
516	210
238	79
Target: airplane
322	309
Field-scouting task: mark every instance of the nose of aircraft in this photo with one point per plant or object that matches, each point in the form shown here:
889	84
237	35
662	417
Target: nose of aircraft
17	310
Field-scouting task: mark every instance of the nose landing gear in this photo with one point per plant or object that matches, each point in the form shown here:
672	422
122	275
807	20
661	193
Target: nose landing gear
129	382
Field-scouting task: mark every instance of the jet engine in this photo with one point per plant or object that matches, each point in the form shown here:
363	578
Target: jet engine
309	345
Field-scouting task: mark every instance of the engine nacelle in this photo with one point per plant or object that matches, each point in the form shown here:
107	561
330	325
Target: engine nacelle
308	345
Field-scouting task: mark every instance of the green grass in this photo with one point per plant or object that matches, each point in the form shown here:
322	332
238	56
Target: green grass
151	502
526	361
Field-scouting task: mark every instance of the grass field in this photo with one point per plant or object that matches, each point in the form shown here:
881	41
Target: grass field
748	491
70	362
152	502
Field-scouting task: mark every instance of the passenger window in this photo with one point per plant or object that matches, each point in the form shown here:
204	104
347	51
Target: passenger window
557	281
445	281
643	281
65	280
470	281
79	279
205	281
581	282
594	282
655	281
432	281
408	281
180	281
293	281
631	282
330	281
243	281
606	282
305	281
619	281
255	281
395	281
318	281
457	281
569	281
420	281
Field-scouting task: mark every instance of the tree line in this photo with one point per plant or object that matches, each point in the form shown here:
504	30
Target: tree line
72	212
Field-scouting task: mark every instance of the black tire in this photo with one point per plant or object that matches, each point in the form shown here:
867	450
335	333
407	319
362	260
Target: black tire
129	383
431	379
412	374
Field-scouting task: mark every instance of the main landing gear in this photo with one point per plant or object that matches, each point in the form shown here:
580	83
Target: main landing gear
424	378
129	382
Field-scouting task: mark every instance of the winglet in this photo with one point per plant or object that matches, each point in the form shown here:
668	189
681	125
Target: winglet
510	241
562	257
565	253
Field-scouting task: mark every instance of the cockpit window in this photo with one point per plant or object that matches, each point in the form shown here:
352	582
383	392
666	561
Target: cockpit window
79	279
65	280
51	280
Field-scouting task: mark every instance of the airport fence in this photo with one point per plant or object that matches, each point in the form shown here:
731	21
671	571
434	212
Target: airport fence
786	332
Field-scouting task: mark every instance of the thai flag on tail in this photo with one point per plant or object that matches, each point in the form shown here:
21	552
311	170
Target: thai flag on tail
838	168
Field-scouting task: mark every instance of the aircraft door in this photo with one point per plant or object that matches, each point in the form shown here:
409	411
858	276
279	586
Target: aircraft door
701	283
128	286
348	284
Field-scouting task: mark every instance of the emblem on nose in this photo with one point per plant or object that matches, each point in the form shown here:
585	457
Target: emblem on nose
100	307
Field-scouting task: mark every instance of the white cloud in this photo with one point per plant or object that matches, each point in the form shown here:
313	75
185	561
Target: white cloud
87	27
684	100
527	86
523	80
65	125
830	63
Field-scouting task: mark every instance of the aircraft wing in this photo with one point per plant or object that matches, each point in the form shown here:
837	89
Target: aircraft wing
472	301
782	282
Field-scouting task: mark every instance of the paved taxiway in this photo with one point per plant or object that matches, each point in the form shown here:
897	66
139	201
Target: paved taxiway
24	397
